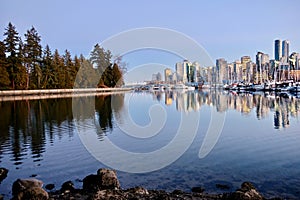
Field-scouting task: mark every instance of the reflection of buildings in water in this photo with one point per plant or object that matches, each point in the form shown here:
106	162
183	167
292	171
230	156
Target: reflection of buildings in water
157	95
168	98
281	114
261	103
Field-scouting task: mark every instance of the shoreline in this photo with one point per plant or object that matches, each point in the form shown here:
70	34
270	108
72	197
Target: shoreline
15	95
104	185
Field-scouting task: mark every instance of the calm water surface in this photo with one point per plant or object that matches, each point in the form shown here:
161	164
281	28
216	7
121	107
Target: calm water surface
260	140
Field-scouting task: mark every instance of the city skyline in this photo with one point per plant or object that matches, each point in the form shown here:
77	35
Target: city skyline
224	29
67	24
260	70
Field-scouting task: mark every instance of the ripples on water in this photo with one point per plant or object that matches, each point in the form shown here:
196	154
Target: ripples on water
259	142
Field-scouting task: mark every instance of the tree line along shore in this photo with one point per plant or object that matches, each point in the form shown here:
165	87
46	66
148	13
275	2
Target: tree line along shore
25	65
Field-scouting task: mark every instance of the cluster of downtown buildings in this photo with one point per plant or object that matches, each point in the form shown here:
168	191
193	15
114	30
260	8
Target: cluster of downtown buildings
283	67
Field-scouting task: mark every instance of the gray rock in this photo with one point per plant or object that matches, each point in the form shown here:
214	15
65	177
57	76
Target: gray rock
3	173
246	192
28	189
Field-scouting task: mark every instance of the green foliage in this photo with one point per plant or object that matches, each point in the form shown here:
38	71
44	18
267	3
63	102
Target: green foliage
33	53
4	76
87	76
11	40
29	66
11	44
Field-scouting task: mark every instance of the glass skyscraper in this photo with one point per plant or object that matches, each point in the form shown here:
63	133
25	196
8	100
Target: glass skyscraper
278	52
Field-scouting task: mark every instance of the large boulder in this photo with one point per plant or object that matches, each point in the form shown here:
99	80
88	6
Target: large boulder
109	179
29	189
3	173
105	179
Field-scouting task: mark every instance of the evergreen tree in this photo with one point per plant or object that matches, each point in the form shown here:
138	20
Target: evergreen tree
106	79
58	71
100	58
33	53
117	77
11	40
21	74
47	70
70	70
11	43
4	76
87	76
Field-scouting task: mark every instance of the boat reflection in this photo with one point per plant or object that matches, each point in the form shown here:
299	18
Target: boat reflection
282	105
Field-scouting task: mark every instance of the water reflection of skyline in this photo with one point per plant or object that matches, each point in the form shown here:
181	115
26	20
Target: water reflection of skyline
282	106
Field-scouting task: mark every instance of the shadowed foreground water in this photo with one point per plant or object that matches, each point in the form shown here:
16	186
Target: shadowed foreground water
260	141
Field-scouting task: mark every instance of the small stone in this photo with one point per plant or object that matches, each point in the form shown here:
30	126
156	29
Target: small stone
3	173
138	190
68	185
33	175
197	189
177	192
50	186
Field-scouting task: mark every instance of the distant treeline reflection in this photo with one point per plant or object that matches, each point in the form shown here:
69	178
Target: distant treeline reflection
27	126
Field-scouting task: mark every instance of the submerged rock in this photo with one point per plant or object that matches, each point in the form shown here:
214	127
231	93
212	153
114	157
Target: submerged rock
24	189
3	173
50	186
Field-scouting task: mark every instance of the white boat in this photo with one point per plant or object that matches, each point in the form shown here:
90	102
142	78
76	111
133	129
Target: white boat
258	87
190	88
180	87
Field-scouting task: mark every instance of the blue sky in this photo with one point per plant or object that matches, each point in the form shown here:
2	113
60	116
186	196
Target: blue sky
228	29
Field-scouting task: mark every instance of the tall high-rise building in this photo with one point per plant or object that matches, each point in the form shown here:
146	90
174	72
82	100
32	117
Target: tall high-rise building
179	71
168	75
221	70
244	61
278	50
262	67
285	50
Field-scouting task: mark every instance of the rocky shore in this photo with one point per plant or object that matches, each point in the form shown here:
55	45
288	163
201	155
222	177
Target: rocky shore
105	186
